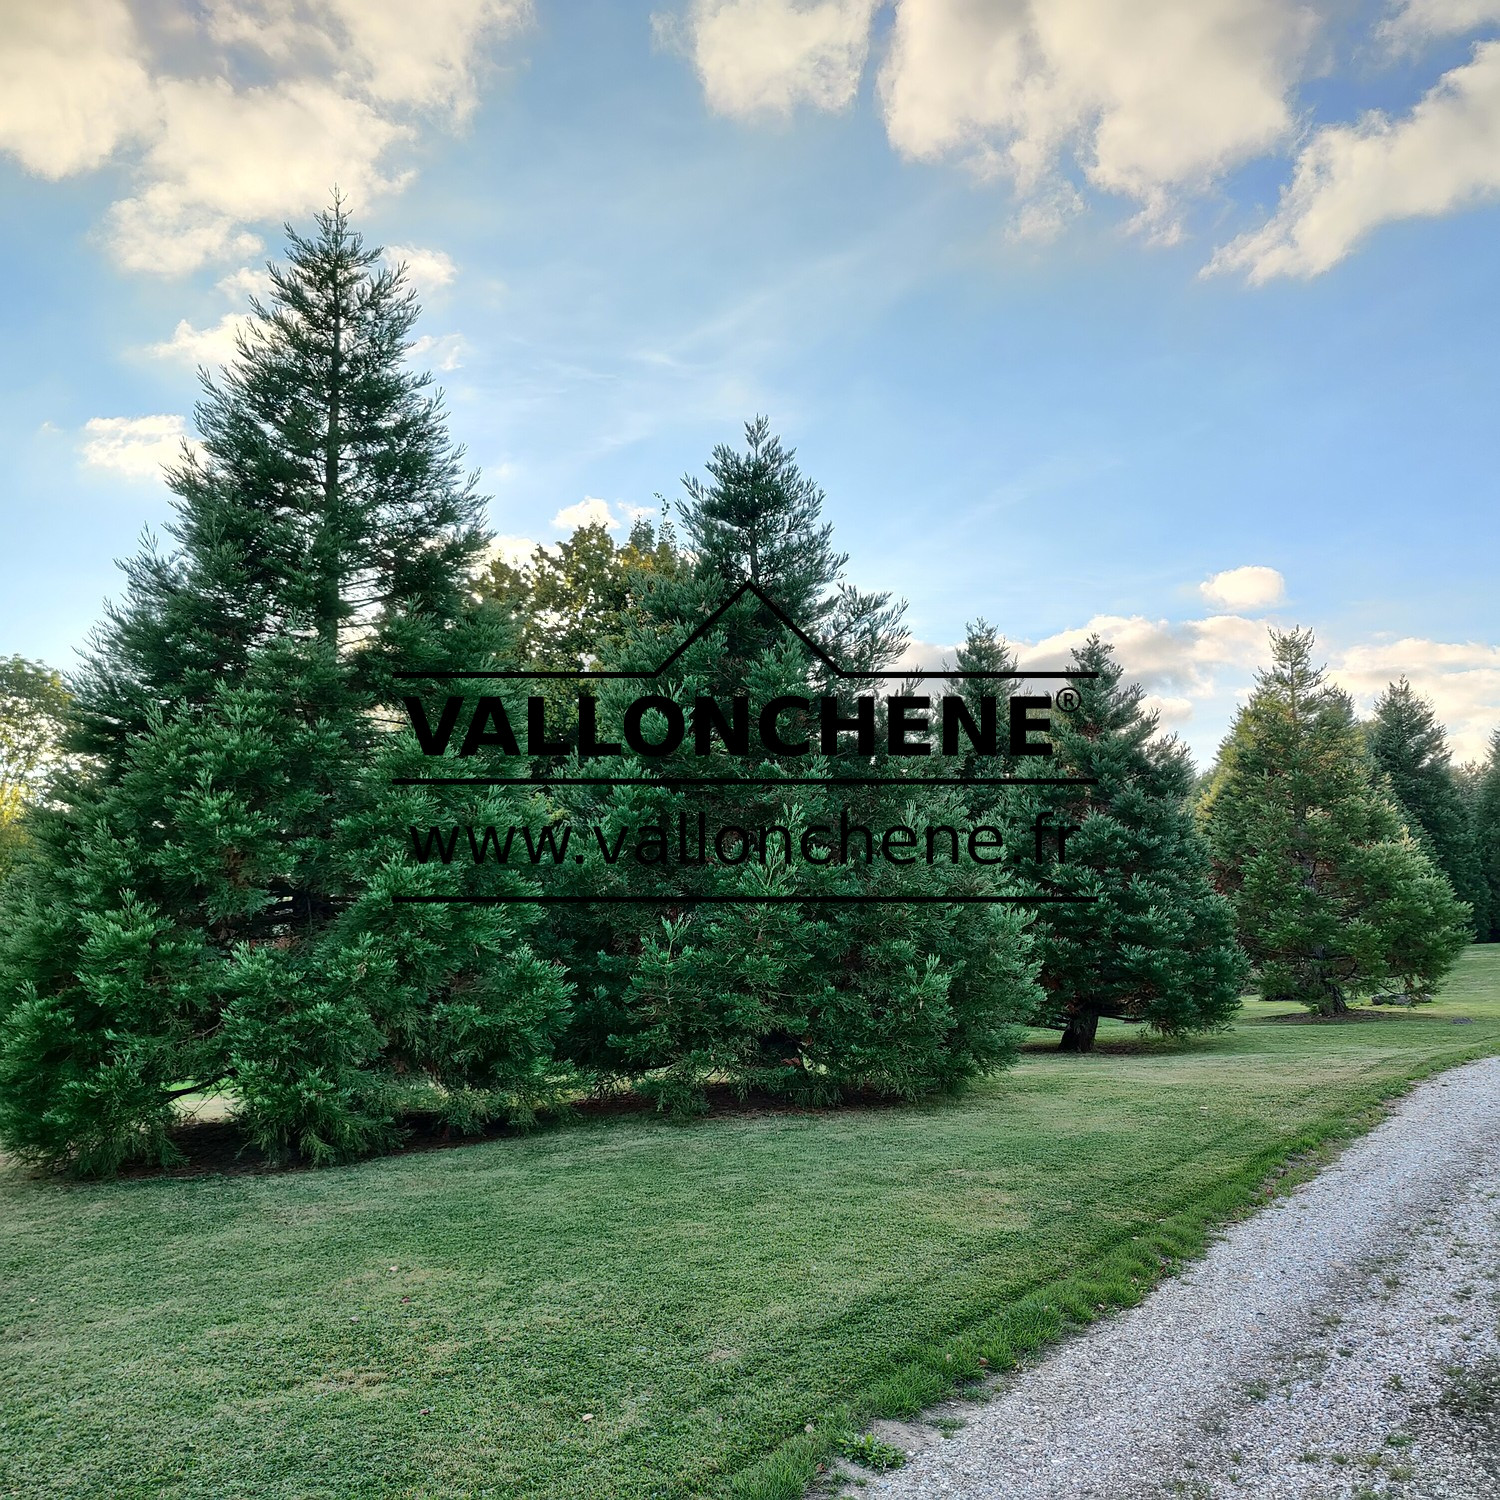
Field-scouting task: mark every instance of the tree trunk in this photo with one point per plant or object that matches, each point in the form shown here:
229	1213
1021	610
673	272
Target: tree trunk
1078	1035
1331	1002
332	584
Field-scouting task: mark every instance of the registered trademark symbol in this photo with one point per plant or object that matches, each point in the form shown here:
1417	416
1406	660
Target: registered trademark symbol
1067	699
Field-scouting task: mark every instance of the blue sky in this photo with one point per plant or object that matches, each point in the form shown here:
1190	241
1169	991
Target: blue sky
1069	317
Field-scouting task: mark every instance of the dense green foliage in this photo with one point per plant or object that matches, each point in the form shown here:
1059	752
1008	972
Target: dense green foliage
214	907
1156	943
570	602
218	895
799	1000
1485	815
1332	897
1409	746
440	1323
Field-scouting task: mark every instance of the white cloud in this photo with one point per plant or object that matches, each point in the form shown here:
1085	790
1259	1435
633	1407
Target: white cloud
1197	672
768	56
213	346
225	156
514	550
439	351
339	86
1244	588
1149	101
247	282
1183	658
1419	20
136	447
73	86
1155	103
426	270
1461	678
423	55
589	511
1350	179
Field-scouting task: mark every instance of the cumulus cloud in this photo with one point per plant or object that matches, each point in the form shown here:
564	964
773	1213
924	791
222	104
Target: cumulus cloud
768	56
590	511
426	270
1197	672
136	447
440	351
1155	103
1461	678
212	346
336	88
514	550
1182	658
1350	179
73	85
1146	101
1421	20
226	156
1244	588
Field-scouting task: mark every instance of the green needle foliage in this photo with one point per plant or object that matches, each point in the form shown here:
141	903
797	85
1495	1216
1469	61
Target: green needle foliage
214	909
1333	898
1486	803
802	1001
1156	944
1408	744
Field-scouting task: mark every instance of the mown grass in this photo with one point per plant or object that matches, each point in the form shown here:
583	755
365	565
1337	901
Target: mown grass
441	1324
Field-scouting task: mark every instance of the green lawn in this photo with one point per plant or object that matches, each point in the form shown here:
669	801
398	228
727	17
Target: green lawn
439	1324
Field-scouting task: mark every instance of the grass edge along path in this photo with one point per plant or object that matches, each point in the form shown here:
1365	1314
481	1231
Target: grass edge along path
1119	1278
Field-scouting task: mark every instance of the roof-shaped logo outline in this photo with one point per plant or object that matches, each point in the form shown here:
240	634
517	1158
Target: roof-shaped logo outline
749	586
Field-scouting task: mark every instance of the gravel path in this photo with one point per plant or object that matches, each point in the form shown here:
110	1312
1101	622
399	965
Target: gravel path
1341	1343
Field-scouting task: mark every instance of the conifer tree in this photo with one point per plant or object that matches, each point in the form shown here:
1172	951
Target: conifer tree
214	910
1332	897
1409	746
1156	943
1486	816
802	1000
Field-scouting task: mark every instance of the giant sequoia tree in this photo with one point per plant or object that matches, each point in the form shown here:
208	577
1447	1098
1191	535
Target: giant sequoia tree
1332	897
214	908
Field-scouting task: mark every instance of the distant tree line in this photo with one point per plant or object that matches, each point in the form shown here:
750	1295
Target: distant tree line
208	887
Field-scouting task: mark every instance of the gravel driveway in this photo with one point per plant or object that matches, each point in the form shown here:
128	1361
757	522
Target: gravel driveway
1341	1343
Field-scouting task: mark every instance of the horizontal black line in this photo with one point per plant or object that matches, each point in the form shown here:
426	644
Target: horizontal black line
683	896
747	781
954	676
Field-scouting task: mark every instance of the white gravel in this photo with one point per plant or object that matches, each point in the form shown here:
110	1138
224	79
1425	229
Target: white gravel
1341	1343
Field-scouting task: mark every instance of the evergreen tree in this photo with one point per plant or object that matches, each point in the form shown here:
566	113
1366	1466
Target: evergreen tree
1332	897
1408	744
806	1001
214	910
1156	944
1486	816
